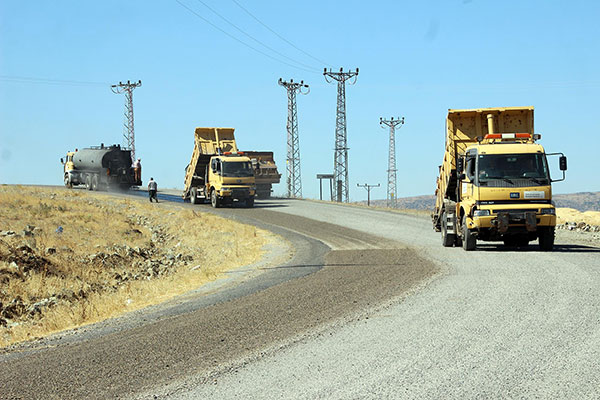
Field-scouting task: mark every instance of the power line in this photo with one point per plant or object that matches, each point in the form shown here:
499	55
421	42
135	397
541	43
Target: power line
29	79
368	188
241	41
278	35
256	40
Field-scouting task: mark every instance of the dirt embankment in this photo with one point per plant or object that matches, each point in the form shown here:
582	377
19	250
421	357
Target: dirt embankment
70	257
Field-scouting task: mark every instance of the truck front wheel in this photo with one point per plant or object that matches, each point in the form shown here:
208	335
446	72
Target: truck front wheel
469	241
546	238
68	182
214	199
447	238
193	195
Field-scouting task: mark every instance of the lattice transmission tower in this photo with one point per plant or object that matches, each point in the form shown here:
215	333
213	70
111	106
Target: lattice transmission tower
128	130
340	159
294	181
391	187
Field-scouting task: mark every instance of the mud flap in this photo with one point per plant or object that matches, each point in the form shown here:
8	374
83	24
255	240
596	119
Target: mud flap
530	222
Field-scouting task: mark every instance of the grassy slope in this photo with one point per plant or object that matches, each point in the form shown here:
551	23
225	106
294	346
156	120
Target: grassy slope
113	255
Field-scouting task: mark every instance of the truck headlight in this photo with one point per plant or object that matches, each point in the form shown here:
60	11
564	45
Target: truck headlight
481	213
549	211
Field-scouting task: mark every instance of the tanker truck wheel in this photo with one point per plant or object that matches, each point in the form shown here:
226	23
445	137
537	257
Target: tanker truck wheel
68	182
447	238
88	182
214	199
95	182
469	241
193	195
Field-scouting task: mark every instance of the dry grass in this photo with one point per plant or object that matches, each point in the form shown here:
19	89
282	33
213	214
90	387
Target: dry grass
113	255
571	215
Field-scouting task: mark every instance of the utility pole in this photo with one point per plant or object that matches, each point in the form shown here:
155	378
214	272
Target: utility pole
294	181
128	131
391	186
340	159
368	187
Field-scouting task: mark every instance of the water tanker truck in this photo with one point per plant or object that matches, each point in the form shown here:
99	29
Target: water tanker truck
494	183
218	171
99	168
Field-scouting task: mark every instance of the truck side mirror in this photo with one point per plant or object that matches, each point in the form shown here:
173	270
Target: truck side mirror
460	165
562	162
461	177
61	161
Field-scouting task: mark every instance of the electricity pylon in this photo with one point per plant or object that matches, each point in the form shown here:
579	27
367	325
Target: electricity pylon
294	181
128	131
391	188
340	159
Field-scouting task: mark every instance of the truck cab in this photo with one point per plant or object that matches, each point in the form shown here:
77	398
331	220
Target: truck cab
230	177
505	192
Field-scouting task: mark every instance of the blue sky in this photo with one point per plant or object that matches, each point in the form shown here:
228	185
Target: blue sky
416	60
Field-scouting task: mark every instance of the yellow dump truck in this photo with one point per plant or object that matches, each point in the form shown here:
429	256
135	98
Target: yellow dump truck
265	172
494	183
218	171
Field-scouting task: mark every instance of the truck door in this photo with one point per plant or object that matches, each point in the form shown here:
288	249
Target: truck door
468	184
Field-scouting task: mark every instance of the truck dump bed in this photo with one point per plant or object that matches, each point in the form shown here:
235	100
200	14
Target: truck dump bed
207	142
463	127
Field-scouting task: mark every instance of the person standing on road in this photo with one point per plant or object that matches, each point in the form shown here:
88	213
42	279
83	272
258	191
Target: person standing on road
137	170
152	189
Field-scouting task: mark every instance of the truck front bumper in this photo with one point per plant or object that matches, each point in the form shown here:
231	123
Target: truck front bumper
236	193
503	219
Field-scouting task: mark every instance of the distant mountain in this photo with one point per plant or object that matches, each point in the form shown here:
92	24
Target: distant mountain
584	201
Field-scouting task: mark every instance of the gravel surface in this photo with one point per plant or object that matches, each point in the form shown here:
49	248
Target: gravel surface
203	337
499	323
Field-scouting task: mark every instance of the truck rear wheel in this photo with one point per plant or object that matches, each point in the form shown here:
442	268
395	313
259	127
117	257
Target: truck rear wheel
88	182
193	195
447	238
95	182
214	199
469	241
546	238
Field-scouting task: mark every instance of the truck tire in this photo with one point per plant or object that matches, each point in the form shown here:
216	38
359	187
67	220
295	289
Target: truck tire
546	238
250	202
214	199
193	195
68	182
88	182
95	182
469	241
447	238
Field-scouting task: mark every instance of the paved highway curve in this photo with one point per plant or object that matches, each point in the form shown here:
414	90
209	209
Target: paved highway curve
206	334
418	321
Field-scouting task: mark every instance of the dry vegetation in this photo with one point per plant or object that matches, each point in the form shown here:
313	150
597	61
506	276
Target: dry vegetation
70	257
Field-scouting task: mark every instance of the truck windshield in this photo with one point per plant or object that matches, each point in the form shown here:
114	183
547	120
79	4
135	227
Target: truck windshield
514	169
237	168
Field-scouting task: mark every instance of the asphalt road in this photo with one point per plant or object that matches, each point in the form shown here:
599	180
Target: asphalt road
496	323
336	275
